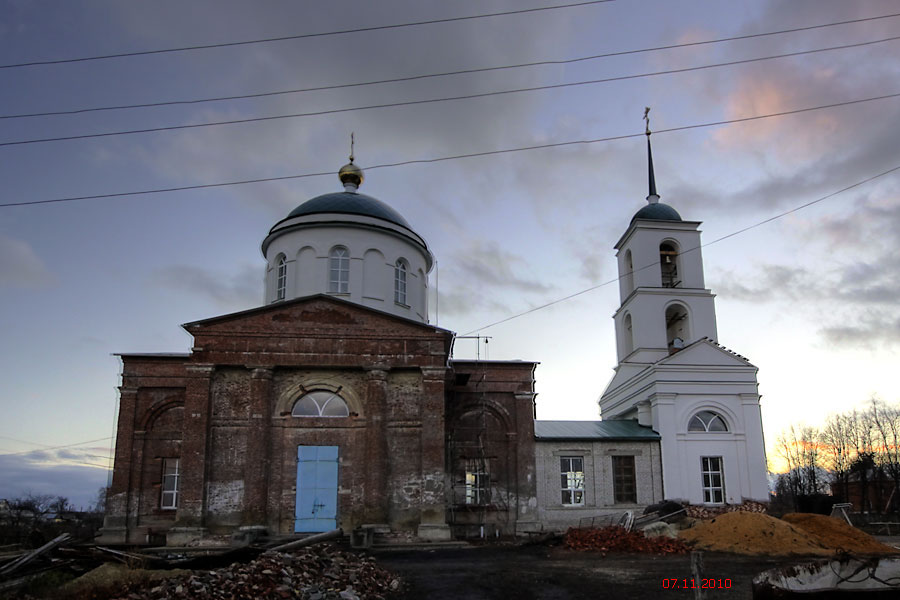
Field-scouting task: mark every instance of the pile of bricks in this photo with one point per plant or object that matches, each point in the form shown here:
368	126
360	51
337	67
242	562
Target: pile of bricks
704	512
321	573
619	539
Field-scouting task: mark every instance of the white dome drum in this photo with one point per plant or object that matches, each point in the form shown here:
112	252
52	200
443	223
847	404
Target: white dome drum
352	246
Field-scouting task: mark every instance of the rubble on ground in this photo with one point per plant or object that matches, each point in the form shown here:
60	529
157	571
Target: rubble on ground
618	539
709	512
321	573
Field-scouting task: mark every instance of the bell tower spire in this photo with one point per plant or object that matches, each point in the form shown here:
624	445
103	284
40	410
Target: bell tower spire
652	197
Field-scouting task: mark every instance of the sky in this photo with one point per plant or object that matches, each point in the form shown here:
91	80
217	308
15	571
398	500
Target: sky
810	297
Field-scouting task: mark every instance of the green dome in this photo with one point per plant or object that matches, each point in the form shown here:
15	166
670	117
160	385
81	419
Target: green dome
349	203
657	212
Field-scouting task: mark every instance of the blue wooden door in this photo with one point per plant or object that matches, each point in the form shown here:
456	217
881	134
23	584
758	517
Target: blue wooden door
317	485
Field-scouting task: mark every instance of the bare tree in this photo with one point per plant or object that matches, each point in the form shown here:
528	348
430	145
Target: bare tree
837	450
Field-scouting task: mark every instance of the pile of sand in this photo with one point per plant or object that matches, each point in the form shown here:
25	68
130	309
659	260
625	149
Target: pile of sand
752	533
837	534
797	533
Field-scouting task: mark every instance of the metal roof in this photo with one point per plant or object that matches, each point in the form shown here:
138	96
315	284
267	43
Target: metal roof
657	212
350	203
624	429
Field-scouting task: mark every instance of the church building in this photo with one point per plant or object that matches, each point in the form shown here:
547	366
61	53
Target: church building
337	404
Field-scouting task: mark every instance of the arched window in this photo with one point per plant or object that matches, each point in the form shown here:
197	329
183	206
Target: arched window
320	403
629	272
627	335
668	265
677	327
400	282
707	420
280	278
339	270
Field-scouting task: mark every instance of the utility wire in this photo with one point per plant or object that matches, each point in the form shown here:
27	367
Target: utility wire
452	157
443	74
300	36
719	239
435	100
55	447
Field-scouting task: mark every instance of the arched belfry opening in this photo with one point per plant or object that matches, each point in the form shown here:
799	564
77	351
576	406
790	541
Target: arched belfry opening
677	327
668	265
627	335
629	272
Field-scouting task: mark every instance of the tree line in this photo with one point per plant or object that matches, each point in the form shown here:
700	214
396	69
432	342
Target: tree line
855	456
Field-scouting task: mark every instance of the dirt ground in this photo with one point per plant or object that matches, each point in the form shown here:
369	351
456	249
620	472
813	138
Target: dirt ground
553	573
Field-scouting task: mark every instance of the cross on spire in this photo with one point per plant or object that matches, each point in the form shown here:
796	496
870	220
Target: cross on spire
652	197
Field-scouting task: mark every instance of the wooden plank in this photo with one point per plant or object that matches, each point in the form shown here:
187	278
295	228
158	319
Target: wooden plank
17	564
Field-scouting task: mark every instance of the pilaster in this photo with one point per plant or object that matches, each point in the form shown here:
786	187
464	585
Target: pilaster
115	520
194	448
257	461
433	523
376	494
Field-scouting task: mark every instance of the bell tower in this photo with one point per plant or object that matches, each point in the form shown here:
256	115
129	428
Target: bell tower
663	302
672	375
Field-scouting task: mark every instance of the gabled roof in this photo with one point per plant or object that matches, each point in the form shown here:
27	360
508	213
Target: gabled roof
692	350
624	429
281	305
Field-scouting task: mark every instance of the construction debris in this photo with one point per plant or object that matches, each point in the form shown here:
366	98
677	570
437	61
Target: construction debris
322	573
618	539
709	512
12	567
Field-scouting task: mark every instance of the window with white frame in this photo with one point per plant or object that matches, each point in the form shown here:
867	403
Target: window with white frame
280	278
572	480
478	483
707	420
320	403
624	480
339	271
713	480
171	474
400	282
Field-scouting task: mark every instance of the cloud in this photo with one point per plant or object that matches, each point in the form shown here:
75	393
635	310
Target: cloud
770	283
486	265
20	476
238	291
855	285
871	331
21	267
480	272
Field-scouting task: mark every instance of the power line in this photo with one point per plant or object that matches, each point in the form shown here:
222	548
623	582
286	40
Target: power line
719	239
443	74
55	447
452	157
299	36
435	100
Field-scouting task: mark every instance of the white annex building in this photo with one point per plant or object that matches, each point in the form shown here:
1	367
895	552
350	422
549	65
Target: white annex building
672	375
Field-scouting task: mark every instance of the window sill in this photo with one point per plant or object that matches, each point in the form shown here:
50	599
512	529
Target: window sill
401	304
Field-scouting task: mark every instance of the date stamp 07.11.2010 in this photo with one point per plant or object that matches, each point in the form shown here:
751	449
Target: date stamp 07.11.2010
689	583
